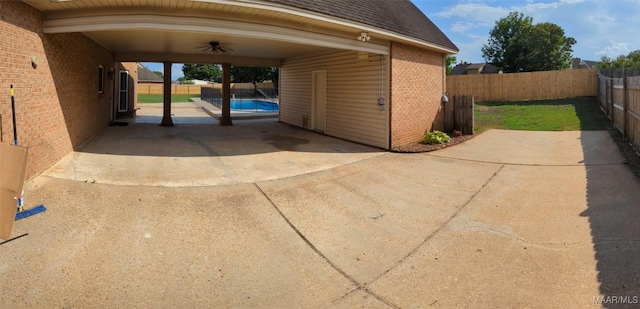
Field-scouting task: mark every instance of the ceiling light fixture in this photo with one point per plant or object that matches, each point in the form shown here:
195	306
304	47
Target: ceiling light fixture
364	37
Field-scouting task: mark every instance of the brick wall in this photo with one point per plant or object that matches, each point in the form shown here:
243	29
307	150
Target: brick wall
57	103
416	91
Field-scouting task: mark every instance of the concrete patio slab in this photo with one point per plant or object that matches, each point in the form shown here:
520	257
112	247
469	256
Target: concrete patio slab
365	220
181	113
359	299
105	246
205	155
538	148
462	227
529	236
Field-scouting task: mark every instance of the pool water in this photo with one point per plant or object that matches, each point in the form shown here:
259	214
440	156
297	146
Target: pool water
252	105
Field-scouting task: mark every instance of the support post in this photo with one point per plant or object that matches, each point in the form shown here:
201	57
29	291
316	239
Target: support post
166	103
225	120
625	106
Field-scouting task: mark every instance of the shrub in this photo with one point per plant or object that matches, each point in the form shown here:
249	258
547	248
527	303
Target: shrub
436	137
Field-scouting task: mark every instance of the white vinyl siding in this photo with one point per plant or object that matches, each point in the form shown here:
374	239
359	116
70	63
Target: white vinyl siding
353	88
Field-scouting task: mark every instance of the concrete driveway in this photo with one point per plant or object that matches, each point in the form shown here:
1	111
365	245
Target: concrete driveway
509	219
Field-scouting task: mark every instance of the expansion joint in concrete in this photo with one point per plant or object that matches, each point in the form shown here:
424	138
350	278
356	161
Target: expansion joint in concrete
324	257
527	164
455	214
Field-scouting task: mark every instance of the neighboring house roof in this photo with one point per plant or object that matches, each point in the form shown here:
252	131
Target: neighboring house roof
460	69
578	63
476	66
399	16
490	69
146	76
590	64
483	68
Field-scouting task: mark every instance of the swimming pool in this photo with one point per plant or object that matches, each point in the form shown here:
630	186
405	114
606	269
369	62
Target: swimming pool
251	105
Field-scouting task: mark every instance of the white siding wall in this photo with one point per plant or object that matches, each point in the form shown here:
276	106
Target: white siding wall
352	95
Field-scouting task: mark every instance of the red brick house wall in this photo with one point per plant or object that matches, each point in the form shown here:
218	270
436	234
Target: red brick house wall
58	106
417	79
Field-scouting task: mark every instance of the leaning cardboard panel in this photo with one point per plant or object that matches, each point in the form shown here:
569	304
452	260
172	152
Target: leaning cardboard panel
13	167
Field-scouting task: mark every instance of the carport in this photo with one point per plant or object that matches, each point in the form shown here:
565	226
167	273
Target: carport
369	72
252	35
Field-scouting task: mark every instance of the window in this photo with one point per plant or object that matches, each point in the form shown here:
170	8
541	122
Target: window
100	79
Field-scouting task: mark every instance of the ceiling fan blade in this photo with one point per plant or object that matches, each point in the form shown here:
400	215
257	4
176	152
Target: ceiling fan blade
214	47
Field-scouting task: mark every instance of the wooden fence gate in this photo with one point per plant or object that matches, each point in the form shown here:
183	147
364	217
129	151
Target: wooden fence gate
458	115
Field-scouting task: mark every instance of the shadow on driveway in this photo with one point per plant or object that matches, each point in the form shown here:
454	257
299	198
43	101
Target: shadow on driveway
613	201
205	155
243	138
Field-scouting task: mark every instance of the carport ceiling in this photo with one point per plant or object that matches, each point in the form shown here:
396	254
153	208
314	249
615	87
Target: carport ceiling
149	41
157	29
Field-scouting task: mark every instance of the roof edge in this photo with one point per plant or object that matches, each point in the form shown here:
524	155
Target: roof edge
271	6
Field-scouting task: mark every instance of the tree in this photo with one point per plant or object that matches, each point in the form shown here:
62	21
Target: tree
517	45
158	73
450	60
632	60
547	49
185	81
208	72
505	41
254	75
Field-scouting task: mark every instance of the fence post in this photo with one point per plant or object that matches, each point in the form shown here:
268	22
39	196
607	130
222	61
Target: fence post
610	105
606	97
625	104
471	117
598	89
457	109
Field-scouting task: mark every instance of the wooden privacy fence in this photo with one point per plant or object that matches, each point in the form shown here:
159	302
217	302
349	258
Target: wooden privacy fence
458	114
524	86
620	100
151	88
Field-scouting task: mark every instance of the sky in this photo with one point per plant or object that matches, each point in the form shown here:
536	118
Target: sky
600	27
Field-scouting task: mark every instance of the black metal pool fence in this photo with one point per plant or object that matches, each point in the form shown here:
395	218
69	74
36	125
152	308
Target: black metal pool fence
214	95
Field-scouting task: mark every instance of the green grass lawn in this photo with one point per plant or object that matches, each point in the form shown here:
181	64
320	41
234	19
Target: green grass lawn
157	98
581	113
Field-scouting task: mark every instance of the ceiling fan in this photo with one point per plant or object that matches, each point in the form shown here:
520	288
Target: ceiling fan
215	47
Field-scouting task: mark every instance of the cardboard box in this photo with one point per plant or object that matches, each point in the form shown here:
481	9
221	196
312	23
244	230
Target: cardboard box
13	167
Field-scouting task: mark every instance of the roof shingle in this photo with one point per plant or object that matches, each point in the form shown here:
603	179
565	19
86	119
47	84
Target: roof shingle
398	16
147	76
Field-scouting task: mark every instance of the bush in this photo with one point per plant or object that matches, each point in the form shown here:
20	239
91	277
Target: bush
436	137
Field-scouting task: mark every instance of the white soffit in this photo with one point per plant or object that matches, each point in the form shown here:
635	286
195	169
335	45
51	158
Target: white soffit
239	29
